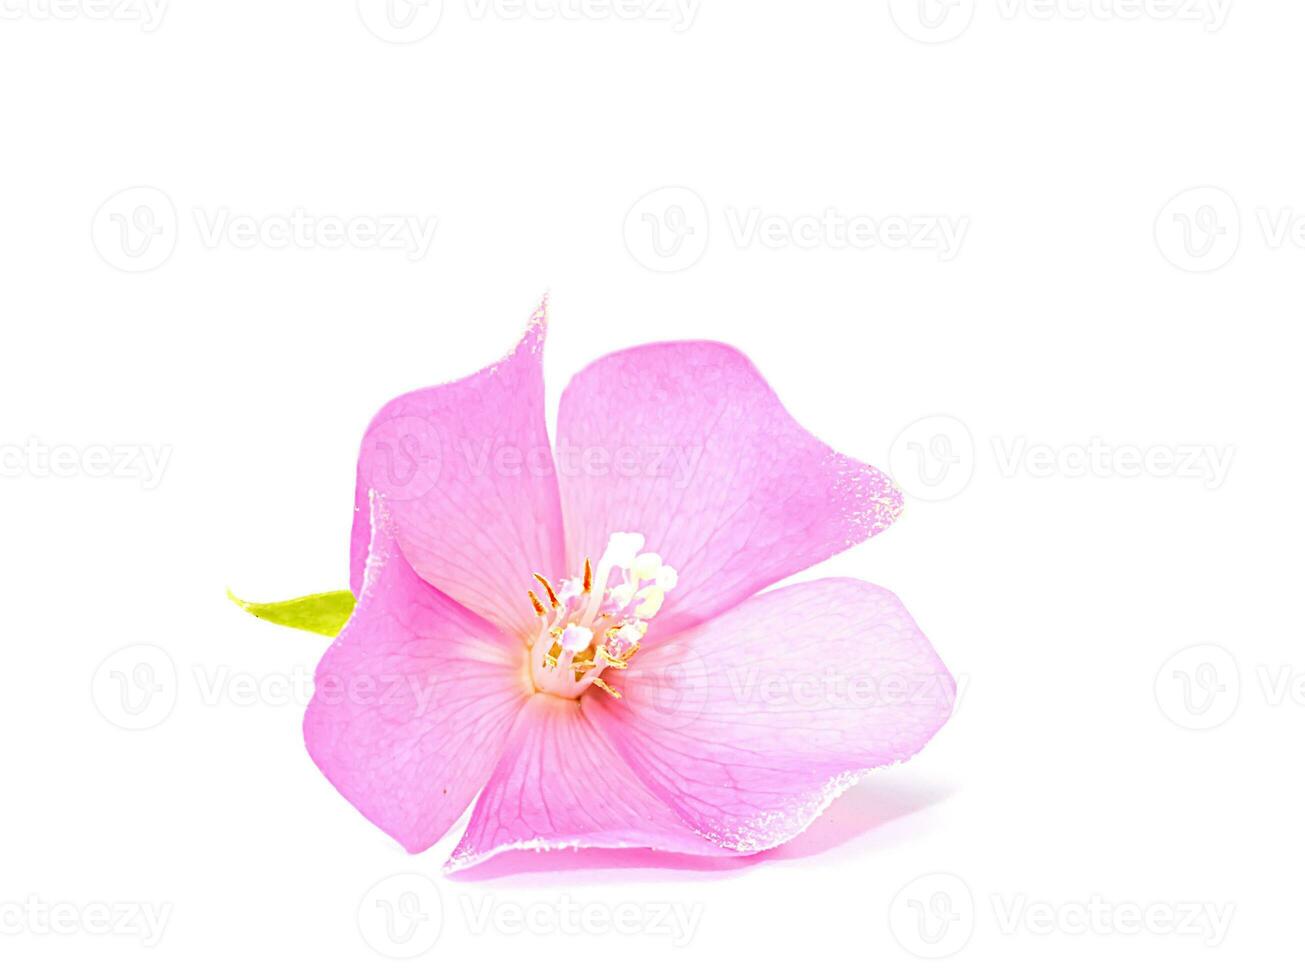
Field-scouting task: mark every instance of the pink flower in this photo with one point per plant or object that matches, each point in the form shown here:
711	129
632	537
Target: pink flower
576	634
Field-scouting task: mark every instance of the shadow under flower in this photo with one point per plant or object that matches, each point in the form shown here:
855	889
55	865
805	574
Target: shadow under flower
861	817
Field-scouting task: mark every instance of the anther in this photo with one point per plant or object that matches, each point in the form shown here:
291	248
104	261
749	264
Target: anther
552	596
550	658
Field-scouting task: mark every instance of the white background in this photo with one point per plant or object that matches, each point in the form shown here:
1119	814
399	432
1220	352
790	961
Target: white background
1076	321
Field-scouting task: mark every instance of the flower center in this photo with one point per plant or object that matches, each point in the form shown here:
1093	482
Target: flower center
590	624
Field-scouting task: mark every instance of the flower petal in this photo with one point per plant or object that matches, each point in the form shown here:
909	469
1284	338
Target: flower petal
412	702
750	725
560	784
686	443
466	469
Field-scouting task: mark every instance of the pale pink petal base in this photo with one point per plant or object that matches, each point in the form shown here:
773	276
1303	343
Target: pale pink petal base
413	702
560	785
748	726
687	444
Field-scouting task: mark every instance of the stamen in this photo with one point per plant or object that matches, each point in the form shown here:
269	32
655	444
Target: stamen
598	620
552	596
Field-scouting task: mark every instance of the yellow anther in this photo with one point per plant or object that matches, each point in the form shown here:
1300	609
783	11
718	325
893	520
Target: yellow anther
601	684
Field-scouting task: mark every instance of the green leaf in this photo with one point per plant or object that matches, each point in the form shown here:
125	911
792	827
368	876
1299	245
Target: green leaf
324	613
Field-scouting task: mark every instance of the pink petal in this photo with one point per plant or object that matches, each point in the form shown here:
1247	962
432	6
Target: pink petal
413	701
748	726
560	784
687	444
466	469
